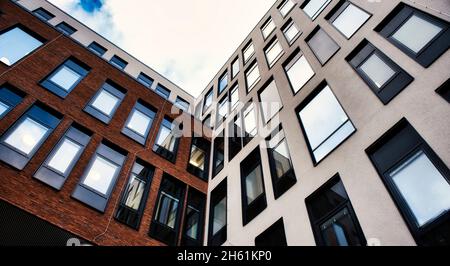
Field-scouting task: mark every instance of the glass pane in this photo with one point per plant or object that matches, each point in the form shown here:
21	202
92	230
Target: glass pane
314	7
139	122
168	208
327	201
16	44
3	108
134	193
286	7
252	77
223	82
377	70
223	108
416	33
333	141
208	100
291	32
235	68
268	28
197	157
250	121
105	102
249	51
423	187
100	174
340	230
166	139
234	97
270	101
254	184
65	78
192	222
300	73
323	46
220	215
274	52
26	136
64	156
281	159
350	20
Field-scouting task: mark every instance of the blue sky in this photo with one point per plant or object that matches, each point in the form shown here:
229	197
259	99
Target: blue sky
187	41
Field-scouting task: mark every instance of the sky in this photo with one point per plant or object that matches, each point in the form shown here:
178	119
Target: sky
187	41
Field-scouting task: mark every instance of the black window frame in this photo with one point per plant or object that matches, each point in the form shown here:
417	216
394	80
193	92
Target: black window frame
210	93
247	46
289	23
171	156
98	49
233	74
282	4
219	118
197	201
393	86
224	76
293	58
235	139
43	14
261	103
65	28
317	14
219	139
433	50
217	195
265	25
118	62
250	68
112	88
11	97
179	101
205	146
147	110
311	35
162	91
273	236
444	90
270	45
205	120
145	80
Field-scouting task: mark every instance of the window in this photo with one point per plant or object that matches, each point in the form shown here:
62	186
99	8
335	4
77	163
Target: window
193	219
252	184
43	14
235	140
313	8
208	121
274	236
234	97
105	102
332	216
443	90
167	215
324	122
167	140
273	52
218	215
182	104
298	71
268	28
62	159
235	67
252	76
139	122
223	82
281	169
199	158
22	140
162	91
134	196
418	181
208	100
198	110
24	44
66	77
9	99
249	51
97	48
118	62
322	45
384	77
223	110
347	18
219	153
145	80
65	28
100	176
270	100
421	36
291	31
249	125
285	7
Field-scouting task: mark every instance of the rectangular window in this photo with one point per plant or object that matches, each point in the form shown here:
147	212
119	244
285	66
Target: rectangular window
66	77
145	80
208	100
218	215
332	217
167	140
443	90
22	140
9	99
313	8
118	62
139	122
324	122
281	169
223	82
100	176
65	28
274	236
25	40
208	121
162	91
198	111
182	104
105	102
421	36
270	100
252	185
249	126
219	153
347	18
268	28
166	221
252	76
285	7
418	181
291	31
322	45
235	67
298	70
134	196
273	52
235	140
234	97
62	159
384	77
193	219
199	158
248	51
43	14
223	110
97	48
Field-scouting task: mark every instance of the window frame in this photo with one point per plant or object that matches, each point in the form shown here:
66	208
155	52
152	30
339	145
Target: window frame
145	80
235	138
97	49
270	45
262	104
283	4
216	169
179	103
290	62
161	90
147	110
234	73
218	194
337	11
113	89
65	28
118	62
11	97
266	24
223	77
291	23
205	146
171	156
311	35
245	49
198	199
251	67
209	94
318	11
43	14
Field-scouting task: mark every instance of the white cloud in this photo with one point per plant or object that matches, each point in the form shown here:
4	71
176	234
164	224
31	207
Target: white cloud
187	41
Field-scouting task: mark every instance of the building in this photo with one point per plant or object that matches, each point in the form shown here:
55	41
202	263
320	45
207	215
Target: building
329	126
